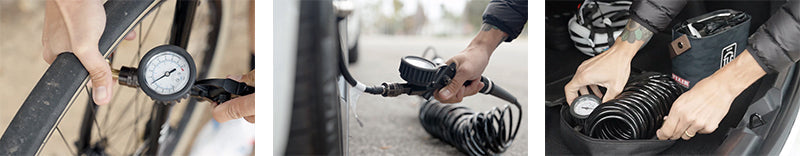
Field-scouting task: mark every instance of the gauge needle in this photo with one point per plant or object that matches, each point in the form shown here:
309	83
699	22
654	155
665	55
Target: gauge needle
165	75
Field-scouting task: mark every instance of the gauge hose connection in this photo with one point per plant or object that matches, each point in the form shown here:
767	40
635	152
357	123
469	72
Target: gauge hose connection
636	113
126	76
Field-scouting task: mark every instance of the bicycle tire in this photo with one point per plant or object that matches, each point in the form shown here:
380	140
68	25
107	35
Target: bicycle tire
316	117
49	99
35	120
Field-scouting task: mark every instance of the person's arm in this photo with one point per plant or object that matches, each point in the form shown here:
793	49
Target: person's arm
775	44
503	20
470	64
611	68
774	47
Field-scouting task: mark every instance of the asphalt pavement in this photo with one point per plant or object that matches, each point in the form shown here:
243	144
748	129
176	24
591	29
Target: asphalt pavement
391	125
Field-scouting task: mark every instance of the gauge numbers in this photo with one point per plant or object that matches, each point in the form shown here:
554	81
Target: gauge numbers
167	73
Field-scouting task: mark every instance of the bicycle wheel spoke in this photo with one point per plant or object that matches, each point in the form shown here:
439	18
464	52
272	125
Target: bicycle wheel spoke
108	107
120	117
94	119
65	141
152	22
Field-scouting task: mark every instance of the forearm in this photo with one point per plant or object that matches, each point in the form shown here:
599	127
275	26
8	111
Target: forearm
736	76
487	40
632	38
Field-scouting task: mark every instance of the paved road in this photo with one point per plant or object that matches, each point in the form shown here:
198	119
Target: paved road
391	125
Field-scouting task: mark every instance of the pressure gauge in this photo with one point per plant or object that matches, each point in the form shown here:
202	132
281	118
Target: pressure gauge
417	70
166	73
584	105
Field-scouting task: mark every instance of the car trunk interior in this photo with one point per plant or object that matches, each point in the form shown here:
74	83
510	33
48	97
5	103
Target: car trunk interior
764	97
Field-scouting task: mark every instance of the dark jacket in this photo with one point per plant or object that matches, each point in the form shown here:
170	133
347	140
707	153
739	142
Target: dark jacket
509	16
775	45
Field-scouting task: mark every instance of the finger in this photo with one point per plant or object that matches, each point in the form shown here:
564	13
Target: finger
692	131
250	78
235	77
251	119
570	91
712	124
99	74
708	129
668	128
235	108
596	90
680	128
611	93
131	35
47	55
473	88
449	92
583	90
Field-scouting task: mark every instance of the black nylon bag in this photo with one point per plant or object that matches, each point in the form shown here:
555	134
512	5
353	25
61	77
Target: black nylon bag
580	144
714	42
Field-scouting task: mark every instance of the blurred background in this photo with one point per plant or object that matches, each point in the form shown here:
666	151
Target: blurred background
434	18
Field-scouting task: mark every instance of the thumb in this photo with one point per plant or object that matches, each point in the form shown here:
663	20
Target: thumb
611	93
99	73
249	78
235	108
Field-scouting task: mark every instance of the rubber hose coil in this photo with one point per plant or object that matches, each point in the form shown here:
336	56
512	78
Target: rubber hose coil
637	112
474	133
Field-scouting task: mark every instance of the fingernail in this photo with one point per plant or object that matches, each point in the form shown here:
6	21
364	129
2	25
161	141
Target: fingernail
100	93
445	93
235	77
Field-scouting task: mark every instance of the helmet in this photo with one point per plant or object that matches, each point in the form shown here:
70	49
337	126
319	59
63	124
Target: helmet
597	24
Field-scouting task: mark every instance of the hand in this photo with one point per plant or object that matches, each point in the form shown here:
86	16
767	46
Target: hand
701	109
469	66
697	111
610	69
243	106
76	26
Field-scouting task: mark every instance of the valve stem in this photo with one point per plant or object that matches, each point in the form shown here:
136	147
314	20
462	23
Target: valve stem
126	76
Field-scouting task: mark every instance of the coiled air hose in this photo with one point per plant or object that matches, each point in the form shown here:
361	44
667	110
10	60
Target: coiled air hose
637	112
474	133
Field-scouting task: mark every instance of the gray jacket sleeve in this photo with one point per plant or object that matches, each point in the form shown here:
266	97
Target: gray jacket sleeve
776	44
509	16
655	15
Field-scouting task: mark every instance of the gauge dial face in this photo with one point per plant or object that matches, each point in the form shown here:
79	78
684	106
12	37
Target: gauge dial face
584	105
167	73
420	63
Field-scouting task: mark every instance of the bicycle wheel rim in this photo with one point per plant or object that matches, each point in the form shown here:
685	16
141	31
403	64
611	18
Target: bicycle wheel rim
101	131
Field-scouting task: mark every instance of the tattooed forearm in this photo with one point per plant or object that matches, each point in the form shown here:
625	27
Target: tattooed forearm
487	27
635	32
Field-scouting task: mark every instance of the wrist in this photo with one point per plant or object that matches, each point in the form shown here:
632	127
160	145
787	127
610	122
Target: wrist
737	75
622	51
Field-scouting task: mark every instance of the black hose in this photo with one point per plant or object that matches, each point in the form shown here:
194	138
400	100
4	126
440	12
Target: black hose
637	112
474	133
